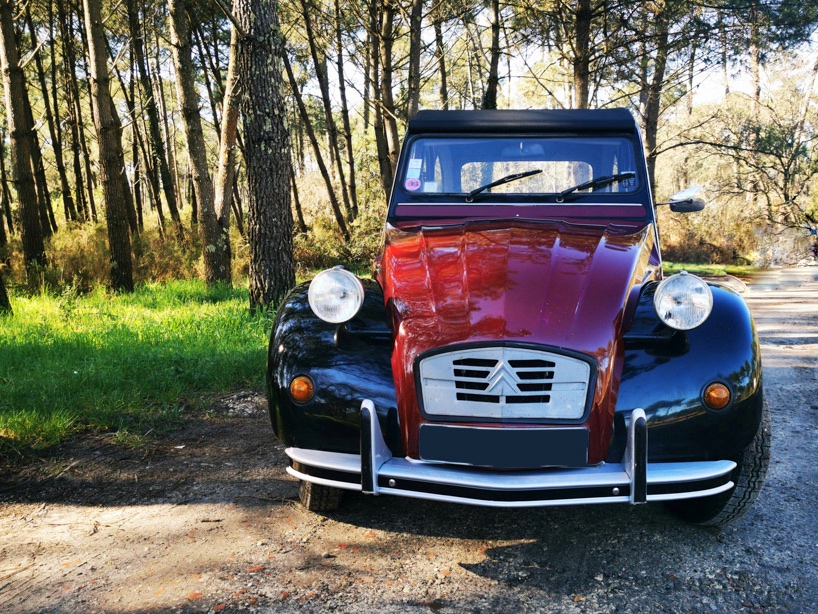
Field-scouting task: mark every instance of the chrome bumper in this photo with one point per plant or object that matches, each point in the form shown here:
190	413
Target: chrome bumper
376	471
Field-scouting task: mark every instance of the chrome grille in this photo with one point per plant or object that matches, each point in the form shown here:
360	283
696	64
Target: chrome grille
504	383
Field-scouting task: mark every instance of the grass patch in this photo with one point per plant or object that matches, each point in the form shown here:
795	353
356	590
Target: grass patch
709	269
126	363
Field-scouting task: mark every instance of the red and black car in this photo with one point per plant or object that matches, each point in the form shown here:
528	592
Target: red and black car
518	344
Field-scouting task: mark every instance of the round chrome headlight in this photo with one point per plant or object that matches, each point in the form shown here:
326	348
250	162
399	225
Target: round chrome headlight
335	295
683	301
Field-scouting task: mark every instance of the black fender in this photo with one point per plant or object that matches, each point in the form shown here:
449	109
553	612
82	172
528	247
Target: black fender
348	363
665	373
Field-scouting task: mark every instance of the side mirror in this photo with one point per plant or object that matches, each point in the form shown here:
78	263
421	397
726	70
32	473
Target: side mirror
686	201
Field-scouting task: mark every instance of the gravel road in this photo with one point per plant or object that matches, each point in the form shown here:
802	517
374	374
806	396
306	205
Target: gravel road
205	520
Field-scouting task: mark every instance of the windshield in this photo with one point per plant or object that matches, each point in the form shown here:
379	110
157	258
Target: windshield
521	165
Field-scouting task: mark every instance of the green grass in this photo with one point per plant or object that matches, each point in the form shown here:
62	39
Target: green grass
709	269
130	364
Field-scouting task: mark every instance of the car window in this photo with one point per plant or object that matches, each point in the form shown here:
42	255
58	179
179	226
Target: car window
461	165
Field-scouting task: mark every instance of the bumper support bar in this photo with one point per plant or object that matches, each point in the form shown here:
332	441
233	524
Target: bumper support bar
376	471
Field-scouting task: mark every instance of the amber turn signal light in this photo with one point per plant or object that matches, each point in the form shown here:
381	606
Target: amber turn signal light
302	389
716	396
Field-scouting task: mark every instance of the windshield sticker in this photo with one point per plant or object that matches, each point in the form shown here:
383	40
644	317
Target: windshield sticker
413	168
430	186
412	184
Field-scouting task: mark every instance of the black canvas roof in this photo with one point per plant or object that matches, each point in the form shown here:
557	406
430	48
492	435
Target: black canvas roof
531	120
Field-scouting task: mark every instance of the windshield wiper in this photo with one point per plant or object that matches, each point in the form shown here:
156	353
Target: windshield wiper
599	182
507	179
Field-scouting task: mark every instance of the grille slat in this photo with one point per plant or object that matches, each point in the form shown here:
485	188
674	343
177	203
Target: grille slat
535	374
504	383
526	364
474	362
470	373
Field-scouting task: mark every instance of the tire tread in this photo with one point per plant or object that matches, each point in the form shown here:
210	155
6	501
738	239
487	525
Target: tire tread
319	498
751	469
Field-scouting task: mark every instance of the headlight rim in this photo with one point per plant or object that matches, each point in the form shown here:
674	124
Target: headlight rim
320	309
660	294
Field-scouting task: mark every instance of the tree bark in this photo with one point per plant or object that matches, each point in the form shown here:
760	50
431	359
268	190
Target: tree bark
388	118
267	151
415	44
440	54
319	159
84	189
319	60
215	252
582	57
154	134
299	214
378	125
493	82
661	29
159	97
133	221
204	60
226	170
56	142
5	304
22	134
342	91
755	109
5	207
49	223
115	188
5	196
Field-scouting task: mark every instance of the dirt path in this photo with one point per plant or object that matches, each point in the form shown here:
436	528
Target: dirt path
205	521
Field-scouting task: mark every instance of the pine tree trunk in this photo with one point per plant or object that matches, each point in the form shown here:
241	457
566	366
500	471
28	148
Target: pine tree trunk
378	126
5	195
267	151
755	108
159	95
342	91
85	189
81	203
390	122
299	214
493	81
440	54
5	304
133	219
582	57
319	61
216	250
157	146
654	94
3	237
47	220
22	133
225	172
415	44
115	188
319	159
68	201
204	60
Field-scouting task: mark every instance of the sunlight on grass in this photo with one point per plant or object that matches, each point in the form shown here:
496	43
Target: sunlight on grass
122	362
709	269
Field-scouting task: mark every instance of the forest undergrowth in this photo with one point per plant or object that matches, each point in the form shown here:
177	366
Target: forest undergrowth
128	364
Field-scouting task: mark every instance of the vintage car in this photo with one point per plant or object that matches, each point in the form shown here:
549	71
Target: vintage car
518	343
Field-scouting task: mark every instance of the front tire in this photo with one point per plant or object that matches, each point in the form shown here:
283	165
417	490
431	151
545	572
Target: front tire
319	498
748	476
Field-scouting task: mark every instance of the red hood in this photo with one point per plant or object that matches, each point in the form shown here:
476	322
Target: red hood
555	284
